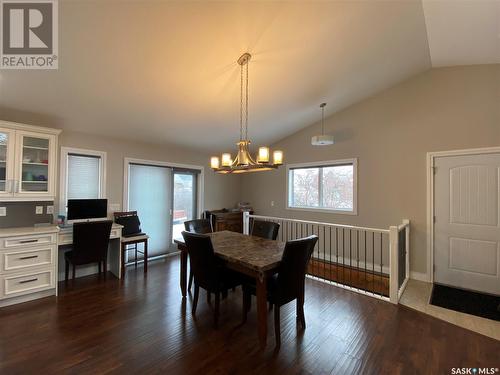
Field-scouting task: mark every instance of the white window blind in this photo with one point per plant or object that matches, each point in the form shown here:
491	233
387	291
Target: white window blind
84	177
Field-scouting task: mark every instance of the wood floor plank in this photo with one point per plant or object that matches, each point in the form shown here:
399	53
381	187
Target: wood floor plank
141	325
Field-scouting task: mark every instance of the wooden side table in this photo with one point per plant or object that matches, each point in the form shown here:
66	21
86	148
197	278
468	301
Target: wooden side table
125	242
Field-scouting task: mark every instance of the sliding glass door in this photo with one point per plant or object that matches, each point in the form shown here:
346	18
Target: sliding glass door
184	200
164	198
150	195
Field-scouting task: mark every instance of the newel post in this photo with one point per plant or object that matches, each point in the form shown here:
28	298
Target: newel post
393	264
246	222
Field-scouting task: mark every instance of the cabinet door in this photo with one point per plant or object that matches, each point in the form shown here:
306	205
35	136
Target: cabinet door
7	152
35	160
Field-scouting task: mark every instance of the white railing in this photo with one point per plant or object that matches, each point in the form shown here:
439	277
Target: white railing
366	260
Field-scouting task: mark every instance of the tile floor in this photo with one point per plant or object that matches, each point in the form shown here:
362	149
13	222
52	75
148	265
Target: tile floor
417	295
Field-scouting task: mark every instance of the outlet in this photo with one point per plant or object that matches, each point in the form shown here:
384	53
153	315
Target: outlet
39	210
50	210
3	211
272	203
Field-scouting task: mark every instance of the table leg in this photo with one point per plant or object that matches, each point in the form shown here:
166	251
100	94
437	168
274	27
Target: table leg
183	272
122	259
262	310
146	256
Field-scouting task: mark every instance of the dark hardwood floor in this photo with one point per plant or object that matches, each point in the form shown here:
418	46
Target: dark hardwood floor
140	325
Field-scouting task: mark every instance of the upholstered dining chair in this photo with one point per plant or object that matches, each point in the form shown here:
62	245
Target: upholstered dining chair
208	270
200	226
90	245
288	284
265	229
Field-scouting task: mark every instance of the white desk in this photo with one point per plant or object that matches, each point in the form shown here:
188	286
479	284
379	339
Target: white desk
114	258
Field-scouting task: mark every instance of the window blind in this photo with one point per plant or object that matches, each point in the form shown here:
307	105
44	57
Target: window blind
84	176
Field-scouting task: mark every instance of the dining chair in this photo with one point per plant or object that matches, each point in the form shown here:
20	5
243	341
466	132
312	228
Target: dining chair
209	271
200	226
90	245
265	229
287	284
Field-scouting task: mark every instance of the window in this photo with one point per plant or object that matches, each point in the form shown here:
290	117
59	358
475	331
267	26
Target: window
82	175
329	186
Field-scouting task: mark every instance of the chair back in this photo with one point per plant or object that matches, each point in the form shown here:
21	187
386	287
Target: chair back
90	241
204	264
265	229
293	267
130	221
200	226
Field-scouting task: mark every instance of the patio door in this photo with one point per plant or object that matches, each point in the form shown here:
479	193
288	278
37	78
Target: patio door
164	197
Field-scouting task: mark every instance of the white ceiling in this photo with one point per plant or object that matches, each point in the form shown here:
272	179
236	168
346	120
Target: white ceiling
463	32
166	71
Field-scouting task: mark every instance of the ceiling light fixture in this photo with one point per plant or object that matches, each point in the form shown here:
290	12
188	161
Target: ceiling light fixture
322	140
243	162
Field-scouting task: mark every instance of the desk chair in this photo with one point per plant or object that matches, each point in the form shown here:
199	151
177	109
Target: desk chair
90	245
288	284
131	237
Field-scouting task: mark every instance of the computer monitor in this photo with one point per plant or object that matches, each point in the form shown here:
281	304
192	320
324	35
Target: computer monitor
87	209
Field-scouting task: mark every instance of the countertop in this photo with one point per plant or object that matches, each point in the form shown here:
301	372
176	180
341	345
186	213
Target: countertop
26	231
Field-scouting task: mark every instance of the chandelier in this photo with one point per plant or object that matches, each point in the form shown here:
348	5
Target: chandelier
243	162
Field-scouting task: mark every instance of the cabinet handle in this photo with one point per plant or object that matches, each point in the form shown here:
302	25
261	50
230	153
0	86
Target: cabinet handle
28	241
29	257
28	281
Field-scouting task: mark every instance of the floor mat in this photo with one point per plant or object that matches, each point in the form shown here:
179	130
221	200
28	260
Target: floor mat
474	303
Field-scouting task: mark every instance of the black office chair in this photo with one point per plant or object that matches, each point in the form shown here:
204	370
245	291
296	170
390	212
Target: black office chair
209	271
200	226
288	284
90	245
265	229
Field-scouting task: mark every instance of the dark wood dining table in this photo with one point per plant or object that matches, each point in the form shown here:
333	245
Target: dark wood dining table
253	256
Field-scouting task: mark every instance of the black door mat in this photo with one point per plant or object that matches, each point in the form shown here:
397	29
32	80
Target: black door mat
474	303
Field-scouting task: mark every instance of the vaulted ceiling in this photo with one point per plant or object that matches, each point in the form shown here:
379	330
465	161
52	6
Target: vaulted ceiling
167	72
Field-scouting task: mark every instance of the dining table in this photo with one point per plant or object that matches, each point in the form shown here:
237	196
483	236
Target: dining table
255	257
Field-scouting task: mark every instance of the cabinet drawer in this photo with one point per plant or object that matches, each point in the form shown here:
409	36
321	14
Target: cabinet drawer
26	283
24	241
26	259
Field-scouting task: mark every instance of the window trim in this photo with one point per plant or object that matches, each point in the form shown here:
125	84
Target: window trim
353	161
63	188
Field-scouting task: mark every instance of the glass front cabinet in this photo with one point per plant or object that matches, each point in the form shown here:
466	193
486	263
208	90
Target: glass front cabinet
27	162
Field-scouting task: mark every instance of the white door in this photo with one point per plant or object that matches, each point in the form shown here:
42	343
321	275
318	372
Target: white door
467	228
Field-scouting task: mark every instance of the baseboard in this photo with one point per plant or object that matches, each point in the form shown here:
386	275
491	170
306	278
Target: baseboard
420	276
27	297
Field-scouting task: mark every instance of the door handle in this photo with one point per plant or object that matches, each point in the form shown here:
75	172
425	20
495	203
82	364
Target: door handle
28	281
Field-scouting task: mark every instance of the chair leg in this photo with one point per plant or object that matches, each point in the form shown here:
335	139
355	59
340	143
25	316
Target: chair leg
66	271
277	329
300	312
105	267
209	297
99	270
124	252
216	309
247	300
135	256
270	306
195	298
74	268
191	277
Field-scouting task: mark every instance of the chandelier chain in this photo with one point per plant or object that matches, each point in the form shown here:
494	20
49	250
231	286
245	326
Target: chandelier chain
246	103
241	102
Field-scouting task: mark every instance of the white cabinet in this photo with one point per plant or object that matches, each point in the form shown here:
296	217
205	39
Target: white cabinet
28	157
28	263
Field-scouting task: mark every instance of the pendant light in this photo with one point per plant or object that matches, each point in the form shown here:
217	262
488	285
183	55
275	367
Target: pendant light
243	162
322	140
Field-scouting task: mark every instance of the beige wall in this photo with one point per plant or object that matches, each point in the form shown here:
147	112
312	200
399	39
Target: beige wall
219	191
390	134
